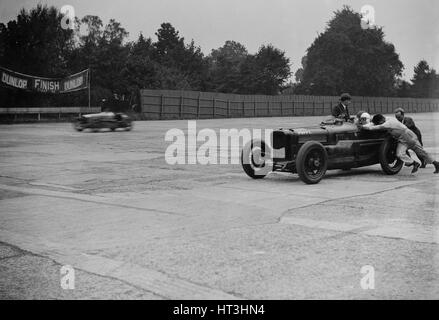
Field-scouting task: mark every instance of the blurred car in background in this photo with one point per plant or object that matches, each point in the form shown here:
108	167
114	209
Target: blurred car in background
106	119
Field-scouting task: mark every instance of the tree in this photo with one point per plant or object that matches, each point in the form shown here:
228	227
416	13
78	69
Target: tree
232	69
113	55
267	71
403	88
114	33
93	30
141	71
35	43
225	64
425	81
346	57
183	64
168	42
102	50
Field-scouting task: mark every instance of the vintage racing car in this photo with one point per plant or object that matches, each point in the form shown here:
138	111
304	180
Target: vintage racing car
313	150
100	120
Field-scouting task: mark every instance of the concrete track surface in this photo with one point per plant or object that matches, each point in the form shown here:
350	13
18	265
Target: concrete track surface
134	227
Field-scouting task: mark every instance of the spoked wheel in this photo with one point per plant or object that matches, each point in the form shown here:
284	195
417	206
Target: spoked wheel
254	159
389	162
312	162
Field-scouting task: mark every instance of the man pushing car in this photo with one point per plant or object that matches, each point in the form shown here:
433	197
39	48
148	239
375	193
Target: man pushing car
407	139
409	123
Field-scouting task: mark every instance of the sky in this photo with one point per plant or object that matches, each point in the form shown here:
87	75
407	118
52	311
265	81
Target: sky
290	25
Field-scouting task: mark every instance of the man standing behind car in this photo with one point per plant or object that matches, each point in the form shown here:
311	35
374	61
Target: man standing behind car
341	110
409	123
406	140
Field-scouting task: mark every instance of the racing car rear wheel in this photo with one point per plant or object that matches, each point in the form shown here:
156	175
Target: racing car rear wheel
387	155
254	158
311	162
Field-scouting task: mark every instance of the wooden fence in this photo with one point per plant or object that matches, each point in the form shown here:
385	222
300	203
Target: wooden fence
174	104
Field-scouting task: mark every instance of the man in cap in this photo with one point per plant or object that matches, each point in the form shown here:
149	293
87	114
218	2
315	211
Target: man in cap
409	123
341	111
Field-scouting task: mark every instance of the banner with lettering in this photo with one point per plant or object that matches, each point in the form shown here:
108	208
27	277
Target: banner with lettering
18	80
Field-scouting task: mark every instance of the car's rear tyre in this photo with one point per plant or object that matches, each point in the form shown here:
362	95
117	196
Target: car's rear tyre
254	157
312	162
387	156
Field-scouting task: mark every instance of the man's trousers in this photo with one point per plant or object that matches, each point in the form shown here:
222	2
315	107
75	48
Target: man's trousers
401	150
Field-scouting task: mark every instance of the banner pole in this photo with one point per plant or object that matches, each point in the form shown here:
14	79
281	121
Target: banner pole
89	84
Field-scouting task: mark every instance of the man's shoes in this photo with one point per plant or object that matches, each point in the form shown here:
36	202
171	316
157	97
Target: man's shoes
436	165
416	166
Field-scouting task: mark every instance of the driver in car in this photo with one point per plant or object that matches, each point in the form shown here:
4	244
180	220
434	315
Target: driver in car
362	119
406	140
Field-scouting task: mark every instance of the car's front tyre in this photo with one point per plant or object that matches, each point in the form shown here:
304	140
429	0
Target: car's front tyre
311	162
129	126
387	156
77	125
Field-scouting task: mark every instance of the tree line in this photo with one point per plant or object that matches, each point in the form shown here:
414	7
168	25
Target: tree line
345	57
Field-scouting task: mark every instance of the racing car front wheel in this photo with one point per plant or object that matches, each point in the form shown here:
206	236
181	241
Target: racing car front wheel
129	127
78	125
387	155
312	162
255	158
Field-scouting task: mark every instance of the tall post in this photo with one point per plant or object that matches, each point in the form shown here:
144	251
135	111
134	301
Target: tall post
181	107
198	105
213	106
161	107
89	85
